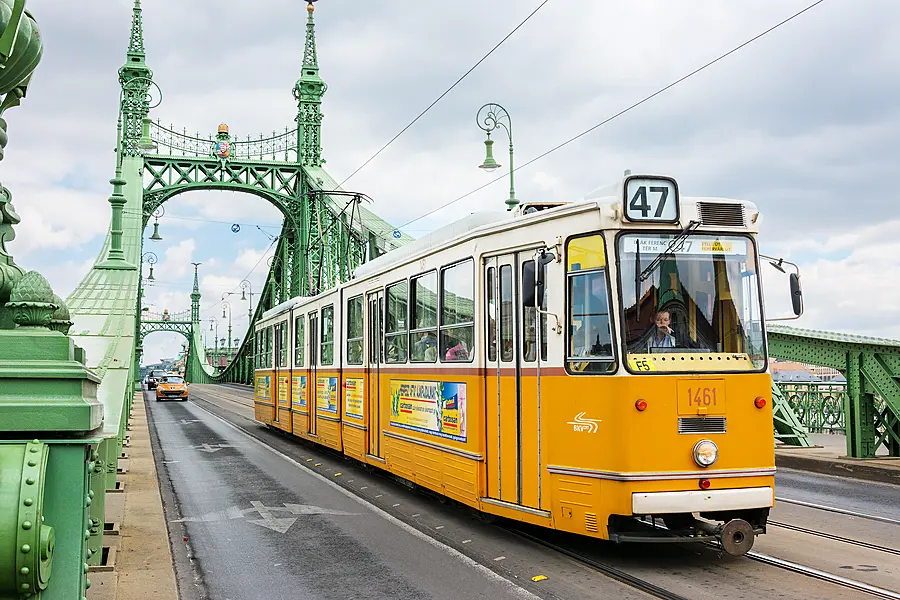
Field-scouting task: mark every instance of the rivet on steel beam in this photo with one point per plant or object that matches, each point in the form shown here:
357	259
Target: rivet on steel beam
30	481
25	586
33	449
32	463
26	548
26	524
28	501
24	570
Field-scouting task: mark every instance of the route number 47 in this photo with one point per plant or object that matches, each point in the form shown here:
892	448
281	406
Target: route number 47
651	200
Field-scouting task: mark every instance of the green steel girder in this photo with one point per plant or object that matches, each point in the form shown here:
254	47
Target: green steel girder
185	328
872	368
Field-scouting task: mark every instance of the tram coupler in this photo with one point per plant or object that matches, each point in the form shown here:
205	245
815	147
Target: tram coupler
736	536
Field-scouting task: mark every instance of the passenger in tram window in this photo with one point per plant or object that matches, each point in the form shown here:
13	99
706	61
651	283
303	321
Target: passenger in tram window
460	351
426	341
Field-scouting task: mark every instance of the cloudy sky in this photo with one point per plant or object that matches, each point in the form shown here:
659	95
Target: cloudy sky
803	122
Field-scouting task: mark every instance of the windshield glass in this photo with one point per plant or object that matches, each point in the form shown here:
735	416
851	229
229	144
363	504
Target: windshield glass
692	305
173	379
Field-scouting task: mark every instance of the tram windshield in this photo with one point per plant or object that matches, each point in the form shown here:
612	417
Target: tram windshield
693	297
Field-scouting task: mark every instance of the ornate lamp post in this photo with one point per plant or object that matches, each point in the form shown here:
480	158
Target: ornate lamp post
490	117
216	341
151	259
247	288
226	304
157	215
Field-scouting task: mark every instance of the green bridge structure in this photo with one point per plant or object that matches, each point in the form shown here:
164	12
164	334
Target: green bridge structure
70	369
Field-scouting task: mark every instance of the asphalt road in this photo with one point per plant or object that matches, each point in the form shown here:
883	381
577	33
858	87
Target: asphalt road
880	499
262	528
235	550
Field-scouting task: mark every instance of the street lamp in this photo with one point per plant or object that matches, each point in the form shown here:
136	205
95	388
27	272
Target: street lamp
151	259
226	304
490	117
157	215
247	288
216	340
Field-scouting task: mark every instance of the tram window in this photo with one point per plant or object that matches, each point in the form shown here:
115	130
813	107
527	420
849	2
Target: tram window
327	334
395	329
355	331
457	312
299	341
491	317
506	313
282	344
423	317
590	348
529	335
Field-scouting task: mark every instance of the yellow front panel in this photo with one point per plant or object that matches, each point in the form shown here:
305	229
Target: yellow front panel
328	398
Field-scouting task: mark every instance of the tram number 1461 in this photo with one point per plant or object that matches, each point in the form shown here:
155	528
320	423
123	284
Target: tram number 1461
701	396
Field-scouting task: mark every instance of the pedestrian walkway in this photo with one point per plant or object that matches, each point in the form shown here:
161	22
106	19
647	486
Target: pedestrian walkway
829	456
143	561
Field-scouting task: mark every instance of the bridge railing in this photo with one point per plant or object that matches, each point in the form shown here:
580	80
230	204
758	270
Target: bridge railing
278	146
819	406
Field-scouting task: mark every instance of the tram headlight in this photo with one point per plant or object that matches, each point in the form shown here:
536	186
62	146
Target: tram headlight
705	453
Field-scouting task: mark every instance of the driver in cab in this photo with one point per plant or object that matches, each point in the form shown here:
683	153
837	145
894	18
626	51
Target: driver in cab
663	336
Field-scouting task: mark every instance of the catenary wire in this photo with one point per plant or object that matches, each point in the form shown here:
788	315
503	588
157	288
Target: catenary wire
448	90
620	113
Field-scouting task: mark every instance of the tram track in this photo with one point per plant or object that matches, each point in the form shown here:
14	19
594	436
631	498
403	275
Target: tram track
840	511
823	575
837	538
612	572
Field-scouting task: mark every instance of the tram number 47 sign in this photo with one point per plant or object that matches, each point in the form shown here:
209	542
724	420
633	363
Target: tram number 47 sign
704	396
651	199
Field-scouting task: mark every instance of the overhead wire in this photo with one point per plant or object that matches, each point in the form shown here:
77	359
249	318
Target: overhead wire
447	91
620	113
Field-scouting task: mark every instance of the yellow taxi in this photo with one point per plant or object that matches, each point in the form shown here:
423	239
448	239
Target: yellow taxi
171	386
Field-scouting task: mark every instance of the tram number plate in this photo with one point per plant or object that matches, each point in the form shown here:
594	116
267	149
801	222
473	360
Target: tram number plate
701	396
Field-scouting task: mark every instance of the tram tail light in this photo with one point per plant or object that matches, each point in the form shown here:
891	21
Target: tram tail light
704	484
641	405
760	402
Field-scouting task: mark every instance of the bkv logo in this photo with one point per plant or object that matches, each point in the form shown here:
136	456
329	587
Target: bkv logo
584	424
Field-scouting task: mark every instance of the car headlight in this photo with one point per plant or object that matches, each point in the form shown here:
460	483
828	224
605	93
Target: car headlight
705	453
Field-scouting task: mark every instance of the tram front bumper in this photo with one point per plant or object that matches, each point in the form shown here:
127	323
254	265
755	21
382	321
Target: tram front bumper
700	501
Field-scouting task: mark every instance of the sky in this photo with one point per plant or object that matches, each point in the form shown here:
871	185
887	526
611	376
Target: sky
803	122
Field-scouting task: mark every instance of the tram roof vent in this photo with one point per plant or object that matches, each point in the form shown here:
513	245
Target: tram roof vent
722	214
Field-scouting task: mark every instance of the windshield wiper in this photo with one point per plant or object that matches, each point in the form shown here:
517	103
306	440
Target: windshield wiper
674	246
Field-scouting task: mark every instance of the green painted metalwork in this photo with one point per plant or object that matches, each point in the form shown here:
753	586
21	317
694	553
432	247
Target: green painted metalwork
789	428
818	406
872	369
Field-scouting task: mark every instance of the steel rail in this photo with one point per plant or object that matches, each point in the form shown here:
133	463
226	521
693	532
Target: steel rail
838	538
824	576
841	511
611	572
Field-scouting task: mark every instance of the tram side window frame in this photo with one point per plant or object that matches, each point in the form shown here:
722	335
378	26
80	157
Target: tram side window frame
418	324
468	327
612	364
299	340
355	326
396	331
326	335
530	315
282	343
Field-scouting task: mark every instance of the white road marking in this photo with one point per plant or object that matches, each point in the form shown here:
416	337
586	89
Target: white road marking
512	587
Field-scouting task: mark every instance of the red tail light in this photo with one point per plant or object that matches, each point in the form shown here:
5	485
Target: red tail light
641	405
760	402
704	484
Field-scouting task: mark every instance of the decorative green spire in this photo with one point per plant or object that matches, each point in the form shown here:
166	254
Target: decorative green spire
136	44
195	296
308	92
135	77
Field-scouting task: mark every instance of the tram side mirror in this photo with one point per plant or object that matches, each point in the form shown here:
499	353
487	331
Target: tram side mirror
796	294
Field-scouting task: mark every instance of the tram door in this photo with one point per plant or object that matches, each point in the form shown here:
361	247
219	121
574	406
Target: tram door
278	372
513	472
311	395
375	338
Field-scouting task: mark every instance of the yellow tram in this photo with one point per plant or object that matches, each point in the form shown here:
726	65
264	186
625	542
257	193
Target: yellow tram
570	365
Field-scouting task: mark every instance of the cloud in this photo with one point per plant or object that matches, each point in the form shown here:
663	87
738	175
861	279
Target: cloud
802	121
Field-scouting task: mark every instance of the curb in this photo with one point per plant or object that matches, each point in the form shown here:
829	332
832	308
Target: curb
840	467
